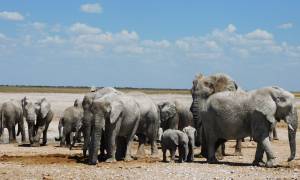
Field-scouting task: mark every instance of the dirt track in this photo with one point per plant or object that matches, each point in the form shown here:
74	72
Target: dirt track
53	162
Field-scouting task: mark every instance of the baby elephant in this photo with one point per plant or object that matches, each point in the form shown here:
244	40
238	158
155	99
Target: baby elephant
170	140
191	133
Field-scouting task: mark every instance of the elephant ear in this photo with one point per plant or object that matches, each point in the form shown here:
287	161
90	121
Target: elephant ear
44	108
266	106
115	108
222	82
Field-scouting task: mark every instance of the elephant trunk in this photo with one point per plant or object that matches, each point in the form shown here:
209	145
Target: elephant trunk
197	106
31	133
292	121
98	125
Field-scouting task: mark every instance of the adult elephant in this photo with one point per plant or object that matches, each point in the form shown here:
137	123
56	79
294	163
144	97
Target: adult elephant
175	115
120	116
203	88
88	119
233	115
70	123
149	123
38	116
11	113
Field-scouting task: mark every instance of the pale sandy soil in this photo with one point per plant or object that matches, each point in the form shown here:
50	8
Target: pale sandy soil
53	162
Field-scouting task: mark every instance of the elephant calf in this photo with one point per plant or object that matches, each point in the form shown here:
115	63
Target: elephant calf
71	123
191	133
170	140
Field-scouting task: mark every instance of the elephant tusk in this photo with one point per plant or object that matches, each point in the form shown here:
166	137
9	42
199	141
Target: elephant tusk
291	128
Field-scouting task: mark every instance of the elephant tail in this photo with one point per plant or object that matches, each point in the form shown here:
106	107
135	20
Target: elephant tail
60	124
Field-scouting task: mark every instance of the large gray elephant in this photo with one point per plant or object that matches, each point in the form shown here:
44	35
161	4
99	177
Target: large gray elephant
88	119
175	115
203	88
70	122
149	123
233	115
38	116
120	116
11	113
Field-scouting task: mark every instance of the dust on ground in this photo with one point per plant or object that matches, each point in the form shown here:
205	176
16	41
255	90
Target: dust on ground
18	161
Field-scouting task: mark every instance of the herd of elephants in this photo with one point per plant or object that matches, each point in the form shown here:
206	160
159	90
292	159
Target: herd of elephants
109	120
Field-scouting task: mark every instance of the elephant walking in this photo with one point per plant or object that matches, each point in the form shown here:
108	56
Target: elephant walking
203	88
11	113
149	122
119	114
235	115
70	122
38	116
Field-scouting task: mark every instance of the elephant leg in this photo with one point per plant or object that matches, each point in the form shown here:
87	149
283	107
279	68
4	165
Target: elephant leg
68	138
238	147
190	157
220	149
172	153
10	135
258	161
37	137
45	135
181	154
111	146
14	133
142	142
211	150
270	155
129	142
22	129
164	150
154	149
275	136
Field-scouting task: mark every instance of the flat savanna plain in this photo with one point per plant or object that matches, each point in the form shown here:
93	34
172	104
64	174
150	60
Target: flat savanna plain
19	161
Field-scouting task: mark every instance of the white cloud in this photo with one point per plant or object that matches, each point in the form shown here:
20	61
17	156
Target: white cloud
259	34
81	28
91	8
286	26
52	40
2	36
39	25
11	16
159	44
231	28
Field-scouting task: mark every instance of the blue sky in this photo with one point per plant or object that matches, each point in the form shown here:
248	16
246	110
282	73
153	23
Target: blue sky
160	44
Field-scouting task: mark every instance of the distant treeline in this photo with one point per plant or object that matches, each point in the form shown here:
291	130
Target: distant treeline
83	89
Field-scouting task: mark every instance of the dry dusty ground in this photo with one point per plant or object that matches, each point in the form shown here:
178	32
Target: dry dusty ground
52	162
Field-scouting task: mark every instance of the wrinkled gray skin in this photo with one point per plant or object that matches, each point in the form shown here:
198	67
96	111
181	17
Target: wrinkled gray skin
234	115
149	123
71	123
11	113
38	116
88	116
191	133
172	139
203	88
175	115
119	114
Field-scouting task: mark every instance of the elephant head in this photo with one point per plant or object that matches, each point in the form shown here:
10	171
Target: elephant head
203	87
286	110
33	112
167	115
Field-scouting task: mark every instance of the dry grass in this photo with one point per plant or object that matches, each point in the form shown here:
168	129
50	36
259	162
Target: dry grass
80	90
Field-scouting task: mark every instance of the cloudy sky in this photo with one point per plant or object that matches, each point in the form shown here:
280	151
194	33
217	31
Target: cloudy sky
160	44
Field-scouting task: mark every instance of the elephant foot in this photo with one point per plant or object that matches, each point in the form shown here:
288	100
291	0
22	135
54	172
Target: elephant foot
276	138
259	163
212	160
128	158
219	156
270	163
13	141
238	153
93	162
110	160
